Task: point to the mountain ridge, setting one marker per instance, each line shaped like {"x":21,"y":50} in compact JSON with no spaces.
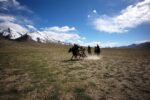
{"x":36,"y":36}
{"x":139,"y":45}
{"x":41,"y":37}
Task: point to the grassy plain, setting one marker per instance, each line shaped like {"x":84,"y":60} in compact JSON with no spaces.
{"x":33,"y":71}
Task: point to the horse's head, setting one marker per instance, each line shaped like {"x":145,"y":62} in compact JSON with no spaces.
{"x":70,"y":50}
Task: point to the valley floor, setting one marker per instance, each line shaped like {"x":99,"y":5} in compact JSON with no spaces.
{"x":32,"y":71}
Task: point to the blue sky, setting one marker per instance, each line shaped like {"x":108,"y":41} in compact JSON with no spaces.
{"x":104,"y":22}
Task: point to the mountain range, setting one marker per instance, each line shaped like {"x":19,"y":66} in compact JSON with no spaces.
{"x":139,"y":45}
{"x":41,"y":37}
{"x":36,"y":36}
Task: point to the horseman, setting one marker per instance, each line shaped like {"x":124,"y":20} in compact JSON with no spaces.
{"x":89,"y":50}
{"x":75,"y":48}
{"x":77,"y":51}
{"x":97,"y":50}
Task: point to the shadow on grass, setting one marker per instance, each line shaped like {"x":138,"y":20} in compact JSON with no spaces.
{"x":81,"y":95}
{"x":71,"y":60}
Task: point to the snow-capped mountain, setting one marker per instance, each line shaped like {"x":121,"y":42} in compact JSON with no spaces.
{"x":36,"y":36}
{"x":41,"y":37}
{"x":10,"y":33}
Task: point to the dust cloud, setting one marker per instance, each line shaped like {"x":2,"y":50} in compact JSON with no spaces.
{"x":92,"y":57}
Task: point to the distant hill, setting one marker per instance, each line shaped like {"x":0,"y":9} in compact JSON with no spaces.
{"x":140,"y":45}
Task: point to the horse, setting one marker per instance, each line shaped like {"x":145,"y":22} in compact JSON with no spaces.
{"x":76,"y":53}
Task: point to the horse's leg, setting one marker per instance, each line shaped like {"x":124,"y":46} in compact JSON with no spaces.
{"x":85,"y":55}
{"x":76,"y":56}
{"x":82,"y":56}
{"x":72,"y":57}
{"x":79,"y":56}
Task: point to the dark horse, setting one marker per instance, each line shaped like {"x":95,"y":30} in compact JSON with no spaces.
{"x":76,"y":53}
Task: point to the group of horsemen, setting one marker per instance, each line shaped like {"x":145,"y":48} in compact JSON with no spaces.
{"x":80,"y":51}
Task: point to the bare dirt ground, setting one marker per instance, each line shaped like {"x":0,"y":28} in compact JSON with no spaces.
{"x":30,"y":71}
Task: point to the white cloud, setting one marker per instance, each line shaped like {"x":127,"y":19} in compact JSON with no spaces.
{"x":7,"y":18}
{"x":101,"y":44}
{"x":17,"y":27}
{"x":7,"y":9}
{"x":64,"y":34}
{"x":31,"y":27}
{"x":94,"y":11}
{"x":60,"y":29}
{"x":138,"y":42}
{"x":8,"y":5}
{"x":7,"y":21}
{"x":69,"y":35}
{"x":2,"y":0}
{"x":130,"y":17}
{"x":89,"y":16}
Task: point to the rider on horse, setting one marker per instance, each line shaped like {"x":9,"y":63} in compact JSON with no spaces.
{"x":77,"y":51}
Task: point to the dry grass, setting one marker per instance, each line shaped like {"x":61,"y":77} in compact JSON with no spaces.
{"x":31,"y":71}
